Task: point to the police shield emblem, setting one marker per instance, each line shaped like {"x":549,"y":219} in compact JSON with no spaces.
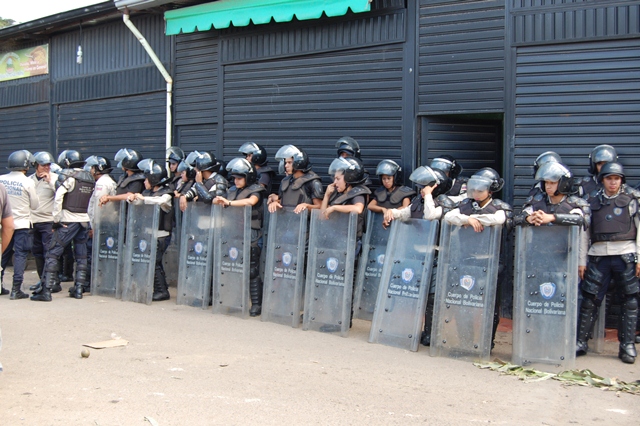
{"x":286,"y":258}
{"x":198,"y":247}
{"x":233,"y":253}
{"x":110,"y":242}
{"x":547,"y":290}
{"x":332,"y":264}
{"x":407,"y":275}
{"x":380,"y":259}
{"x":142,"y":245}
{"x":467,"y":282}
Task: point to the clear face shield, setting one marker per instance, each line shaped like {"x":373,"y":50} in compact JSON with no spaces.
{"x":339,"y":165}
{"x":146,"y":165}
{"x":552,"y":172}
{"x":91,"y":161}
{"x":424,"y":176}
{"x":249,"y":148}
{"x":442,"y":164}
{"x":121,"y":155}
{"x":477,"y":185}
{"x":43,"y":158}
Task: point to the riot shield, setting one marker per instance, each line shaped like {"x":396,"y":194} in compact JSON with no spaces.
{"x":140,"y":253}
{"x":122,"y":248}
{"x":404,"y":284}
{"x":232,"y":251}
{"x":546,"y":294}
{"x":330,"y":265}
{"x":284,"y":270}
{"x":597,"y":344}
{"x":196,"y":257}
{"x":374,"y":245}
{"x":466,"y":284}
{"x":107,"y":241}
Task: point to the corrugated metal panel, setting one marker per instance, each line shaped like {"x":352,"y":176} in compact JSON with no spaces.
{"x":24,"y":91}
{"x":573,"y":97}
{"x":197,"y":137}
{"x":316,"y":36}
{"x":196,"y":78}
{"x":103,"y":127}
{"x":474,"y":144}
{"x":536,"y":22}
{"x":108,"y":48}
{"x":461,"y":56}
{"x":312,"y":101}
{"x":25,"y":127}
{"x":121,"y":83}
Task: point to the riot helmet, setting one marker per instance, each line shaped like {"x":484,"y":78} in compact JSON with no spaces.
{"x":601,"y":153}
{"x":612,"y":168}
{"x":496,"y":182}
{"x":300,"y":158}
{"x":185,"y":167}
{"x":191,"y":158}
{"x":352,"y":169}
{"x":128,"y":159}
{"x":258,"y":153}
{"x":20,"y":160}
{"x":42,"y":158}
{"x":390,"y":168}
{"x":240,"y":167}
{"x":348,"y":145}
{"x":545,"y":157}
{"x":102,"y":165}
{"x":70,"y":158}
{"x":447,"y":164}
{"x":175,"y":154}
{"x":556,"y":172}
{"x":154,"y":172}
{"x":206,"y":161}
{"x":426,"y":176}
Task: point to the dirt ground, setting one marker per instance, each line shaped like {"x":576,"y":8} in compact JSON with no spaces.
{"x":186,"y":366}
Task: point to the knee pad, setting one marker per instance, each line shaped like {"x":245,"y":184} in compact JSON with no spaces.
{"x":589,"y":302}
{"x":631,"y":302}
{"x":592,"y":279}
{"x":627,"y":279}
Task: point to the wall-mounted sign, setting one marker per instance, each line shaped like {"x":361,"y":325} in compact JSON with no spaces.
{"x":24,"y":63}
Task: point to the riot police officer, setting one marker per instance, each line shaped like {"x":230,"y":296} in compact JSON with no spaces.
{"x":542,"y":159}
{"x":132,"y":182}
{"x":600,"y":155}
{"x":100,"y":168}
{"x":615,"y":243}
{"x":23,"y":199}
{"x":301,"y":188}
{"x":391,"y":195}
{"x":248,"y":192}
{"x":42,"y":218}
{"x":71,"y":223}
{"x":452,"y":169}
{"x":187,"y":175}
{"x":174,"y":156}
{"x":348,"y":147}
{"x":257,"y":155}
{"x":209,"y":183}
{"x":157,"y":191}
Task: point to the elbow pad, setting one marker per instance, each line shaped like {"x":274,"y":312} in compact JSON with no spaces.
{"x":569,"y":220}
{"x":203,"y":194}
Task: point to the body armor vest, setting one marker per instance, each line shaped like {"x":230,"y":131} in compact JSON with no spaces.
{"x":392,"y":200}
{"x":257,"y":210}
{"x":589,"y":187}
{"x":456,"y":188}
{"x":469,"y":207}
{"x":266,"y":170}
{"x":417,"y":205}
{"x":130,"y":183}
{"x":564,"y":207}
{"x":294,"y":190}
{"x":612,"y":218}
{"x":346,"y":198}
{"x":77,"y":200}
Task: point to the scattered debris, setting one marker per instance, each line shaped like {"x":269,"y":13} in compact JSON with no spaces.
{"x":85,"y":353}
{"x":113,"y":343}
{"x":152,"y":421}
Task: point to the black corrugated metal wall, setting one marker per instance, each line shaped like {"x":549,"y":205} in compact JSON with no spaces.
{"x":24,"y":127}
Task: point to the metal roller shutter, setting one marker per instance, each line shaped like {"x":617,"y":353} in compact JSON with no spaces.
{"x":25,"y":127}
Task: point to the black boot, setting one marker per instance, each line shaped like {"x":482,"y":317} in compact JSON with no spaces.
{"x":627,"y":330}
{"x":255,"y":288}
{"x":586,"y":319}
{"x":67,"y":267}
{"x":425,"y":338}
{"x":80,"y":283}
{"x":160,"y":289}
{"x":43,"y":293}
{"x":3,"y":291}
{"x":17,"y":293}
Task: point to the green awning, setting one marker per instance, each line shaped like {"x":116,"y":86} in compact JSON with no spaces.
{"x":223,"y":13}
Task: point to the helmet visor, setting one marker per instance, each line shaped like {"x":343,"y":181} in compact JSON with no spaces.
{"x":146,"y":165}
{"x":424,"y":176}
{"x":441,"y":164}
{"x":281,"y":168}
{"x":183,"y":167}
{"x":477,"y":185}
{"x":605,"y":154}
{"x":339,"y":165}
{"x":43,"y":158}
{"x":239,"y":166}
{"x":552,"y":172}
{"x":387,"y":167}
{"x":249,"y":148}
{"x":287,"y":151}
{"x":192,"y":157}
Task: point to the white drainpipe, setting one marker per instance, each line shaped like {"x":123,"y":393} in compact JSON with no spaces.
{"x":161,"y":68}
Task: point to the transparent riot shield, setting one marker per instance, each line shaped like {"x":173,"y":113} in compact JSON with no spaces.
{"x":330,"y":267}
{"x":546,"y":294}
{"x":404,"y":284}
{"x":140,"y":253}
{"x":284,"y":270}
{"x":465,"y":296}
{"x":597,"y":339}
{"x":196,"y":256}
{"x":232,"y":250}
{"x":122,"y":248}
{"x":374,"y":245}
{"x":106,"y":244}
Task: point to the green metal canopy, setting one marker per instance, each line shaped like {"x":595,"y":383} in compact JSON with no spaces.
{"x":223,"y":13}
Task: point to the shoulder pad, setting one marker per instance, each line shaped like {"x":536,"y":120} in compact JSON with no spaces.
{"x":501,"y":204}
{"x":218,"y":178}
{"x":466,"y":201}
{"x":538,"y":197}
{"x":265,"y":169}
{"x":586,"y":178}
{"x":631,"y":191}
{"x":255,"y":188}
{"x":462,"y":179}
{"x":578,"y":201}
{"x":446,"y":202}
{"x":406,"y":190}
{"x":361,"y":190}
{"x":528,"y":200}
